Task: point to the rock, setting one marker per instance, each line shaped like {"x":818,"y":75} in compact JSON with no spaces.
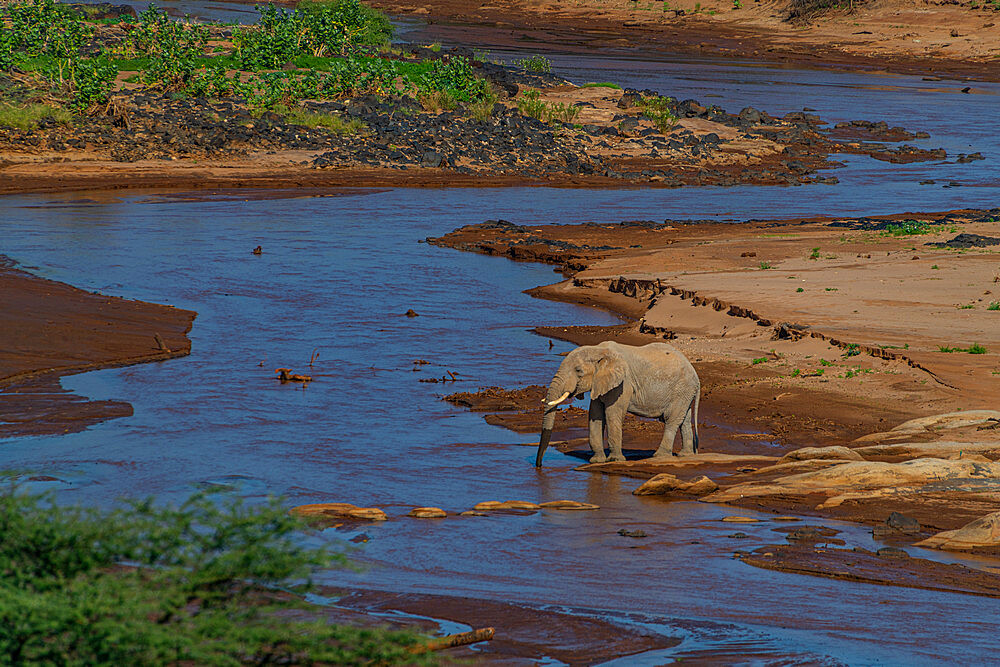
{"x":891,"y":552}
{"x":632,"y":533}
{"x":665,"y":483}
{"x":785,"y":518}
{"x":867,"y":479}
{"x":738,"y":536}
{"x":472,"y":513}
{"x":943,"y":449}
{"x":949,"y":420}
{"x":412,"y":313}
{"x":340,"y":511}
{"x":903,"y":523}
{"x":983,"y":532}
{"x":488,"y":505}
{"x":835,"y":452}
{"x":568,"y":505}
{"x":432,"y":159}
{"x":427,"y":513}
{"x":739,"y":519}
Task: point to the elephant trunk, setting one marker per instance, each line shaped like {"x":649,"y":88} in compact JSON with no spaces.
{"x":556,"y":390}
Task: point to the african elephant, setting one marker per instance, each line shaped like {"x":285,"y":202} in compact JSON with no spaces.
{"x":654,"y":380}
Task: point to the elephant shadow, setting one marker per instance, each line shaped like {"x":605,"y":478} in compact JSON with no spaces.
{"x":629,"y":454}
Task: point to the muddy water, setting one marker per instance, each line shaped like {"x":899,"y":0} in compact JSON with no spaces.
{"x":336,"y":276}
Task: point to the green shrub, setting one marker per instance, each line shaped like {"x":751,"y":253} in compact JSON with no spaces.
{"x":207,"y":582}
{"x":45,"y":27}
{"x":660,"y":111}
{"x":315,"y":28}
{"x":534,"y":63}
{"x":455,"y":75}
{"x":174,"y":48}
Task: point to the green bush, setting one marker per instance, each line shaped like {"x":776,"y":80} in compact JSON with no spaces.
{"x":534,"y":64}
{"x":316,"y":28}
{"x":173,"y":47}
{"x":456,"y":76}
{"x":201,"y":583}
{"x":45,"y":27}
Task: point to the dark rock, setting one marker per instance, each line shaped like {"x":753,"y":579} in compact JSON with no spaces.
{"x":431,"y":159}
{"x":412,"y":313}
{"x":965,"y":240}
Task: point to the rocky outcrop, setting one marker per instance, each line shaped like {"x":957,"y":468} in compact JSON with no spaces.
{"x":981,"y":534}
{"x":869,"y":479}
{"x":340,"y":511}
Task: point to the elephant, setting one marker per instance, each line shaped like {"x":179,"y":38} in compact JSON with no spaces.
{"x":653,"y":380}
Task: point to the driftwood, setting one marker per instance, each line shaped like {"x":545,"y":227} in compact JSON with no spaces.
{"x":451,"y":641}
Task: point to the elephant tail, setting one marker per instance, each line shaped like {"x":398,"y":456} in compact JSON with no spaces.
{"x":694,"y":421}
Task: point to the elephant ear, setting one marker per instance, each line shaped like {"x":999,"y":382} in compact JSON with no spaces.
{"x":610,"y":373}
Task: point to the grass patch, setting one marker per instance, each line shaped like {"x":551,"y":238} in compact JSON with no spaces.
{"x":994,"y":305}
{"x":758,"y":360}
{"x":659,"y":110}
{"x":530,"y":104}
{"x":31,"y":116}
{"x":975,"y":348}
{"x":766,"y":265}
{"x":602,"y":85}
{"x":330,"y":122}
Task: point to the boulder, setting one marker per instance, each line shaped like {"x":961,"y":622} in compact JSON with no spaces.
{"x":944,"y":449}
{"x":739,"y":519}
{"x":810,"y":453}
{"x":427,"y":513}
{"x":665,"y":483}
{"x":340,"y":511}
{"x":983,"y":532}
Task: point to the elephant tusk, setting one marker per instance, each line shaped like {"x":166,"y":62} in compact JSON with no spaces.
{"x":557,"y":401}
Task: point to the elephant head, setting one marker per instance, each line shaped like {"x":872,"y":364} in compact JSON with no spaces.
{"x":594,"y":368}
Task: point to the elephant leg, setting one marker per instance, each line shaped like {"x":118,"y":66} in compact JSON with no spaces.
{"x":596,"y":415}
{"x":687,"y":434}
{"x":614,"y":422}
{"x":666,"y":448}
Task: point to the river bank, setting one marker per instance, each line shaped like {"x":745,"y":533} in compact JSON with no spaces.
{"x":831,"y":379}
{"x":934,"y":39}
{"x":51,"y":329}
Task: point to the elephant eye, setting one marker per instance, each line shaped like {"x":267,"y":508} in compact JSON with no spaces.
{"x":579,"y":371}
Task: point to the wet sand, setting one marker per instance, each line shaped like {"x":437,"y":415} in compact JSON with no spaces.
{"x":932,"y":39}
{"x":50,"y":329}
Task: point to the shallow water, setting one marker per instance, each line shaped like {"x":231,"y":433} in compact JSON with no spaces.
{"x":336,"y":276}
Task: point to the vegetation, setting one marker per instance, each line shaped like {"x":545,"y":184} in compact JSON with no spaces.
{"x":335,"y":124}
{"x":534,"y":63}
{"x":202,"y":583}
{"x":660,"y":111}
{"x":605,"y":84}
{"x":994,"y":305}
{"x":530,"y":104}
{"x":30,"y":116}
{"x":323,"y":49}
{"x":975,"y":348}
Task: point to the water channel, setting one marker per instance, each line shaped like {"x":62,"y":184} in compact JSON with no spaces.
{"x":341,"y":267}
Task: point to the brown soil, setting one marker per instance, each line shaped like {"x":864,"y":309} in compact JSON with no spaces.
{"x":888,"y":568}
{"x":934,"y":37}
{"x":52,"y":329}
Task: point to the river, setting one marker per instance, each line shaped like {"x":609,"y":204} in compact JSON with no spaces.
{"x":338,"y":271}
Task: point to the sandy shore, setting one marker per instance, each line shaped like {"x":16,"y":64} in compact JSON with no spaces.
{"x":932,"y":38}
{"x":50,"y":329}
{"x":849,"y":366}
